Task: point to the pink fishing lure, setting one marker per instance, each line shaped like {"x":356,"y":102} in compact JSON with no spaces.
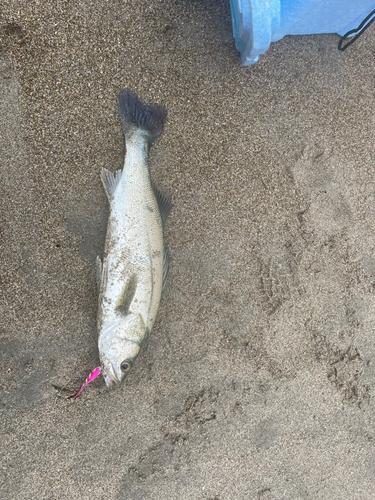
{"x":89,"y":379}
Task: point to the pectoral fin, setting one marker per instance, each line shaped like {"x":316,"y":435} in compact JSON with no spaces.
{"x":127,"y":295}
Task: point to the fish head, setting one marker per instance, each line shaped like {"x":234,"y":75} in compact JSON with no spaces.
{"x":119,"y":346}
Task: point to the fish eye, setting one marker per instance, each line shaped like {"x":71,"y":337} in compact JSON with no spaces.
{"x":126,"y":365}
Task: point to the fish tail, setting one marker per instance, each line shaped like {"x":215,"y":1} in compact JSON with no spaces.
{"x":135,"y":116}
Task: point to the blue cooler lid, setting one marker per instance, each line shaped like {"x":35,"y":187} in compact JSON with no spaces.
{"x":253,"y":22}
{"x":257,"y":23}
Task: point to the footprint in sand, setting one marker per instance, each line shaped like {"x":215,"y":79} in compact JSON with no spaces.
{"x":317,"y":175}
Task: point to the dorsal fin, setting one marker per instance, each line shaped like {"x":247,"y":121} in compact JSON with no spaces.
{"x":164,"y":203}
{"x":166,"y":261}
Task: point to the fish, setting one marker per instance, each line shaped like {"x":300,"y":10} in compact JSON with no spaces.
{"x":135,"y":264}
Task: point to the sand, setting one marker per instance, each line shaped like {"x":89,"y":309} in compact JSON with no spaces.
{"x":258,"y":381}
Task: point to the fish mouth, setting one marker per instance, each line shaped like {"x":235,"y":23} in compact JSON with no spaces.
{"x":109,"y":374}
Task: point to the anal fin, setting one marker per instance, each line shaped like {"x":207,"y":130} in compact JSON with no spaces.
{"x":110,"y":181}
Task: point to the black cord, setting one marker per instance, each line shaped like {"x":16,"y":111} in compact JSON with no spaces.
{"x":360,"y":27}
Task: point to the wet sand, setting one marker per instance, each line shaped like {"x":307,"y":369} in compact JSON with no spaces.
{"x":258,"y":381}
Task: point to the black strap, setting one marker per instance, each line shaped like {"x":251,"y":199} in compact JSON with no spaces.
{"x":361,"y":28}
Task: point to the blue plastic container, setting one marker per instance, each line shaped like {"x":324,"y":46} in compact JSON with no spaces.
{"x":257,"y":23}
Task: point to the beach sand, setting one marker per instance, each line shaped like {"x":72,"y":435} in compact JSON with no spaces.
{"x":258,"y":381}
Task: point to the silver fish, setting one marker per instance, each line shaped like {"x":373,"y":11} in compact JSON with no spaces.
{"x":136,"y":262}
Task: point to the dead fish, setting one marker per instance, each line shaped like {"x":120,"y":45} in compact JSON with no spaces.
{"x":136,"y":262}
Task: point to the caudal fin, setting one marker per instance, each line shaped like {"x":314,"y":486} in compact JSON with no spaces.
{"x":135,"y":115}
